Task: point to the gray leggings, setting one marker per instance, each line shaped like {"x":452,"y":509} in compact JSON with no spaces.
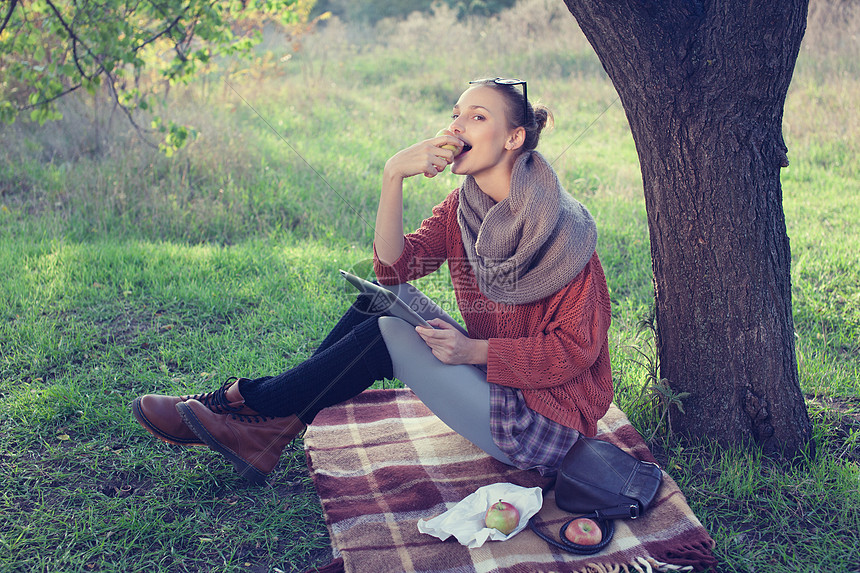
{"x":459,"y":395}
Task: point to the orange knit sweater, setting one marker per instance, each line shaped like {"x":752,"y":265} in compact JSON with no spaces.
{"x":554,"y":350}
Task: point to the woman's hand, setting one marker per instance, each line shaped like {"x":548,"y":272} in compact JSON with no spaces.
{"x":427,"y":157}
{"x":450,"y":346}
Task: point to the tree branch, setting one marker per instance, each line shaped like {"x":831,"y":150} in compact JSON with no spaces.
{"x":75,"y":40}
{"x":8,"y":17}
{"x":52,"y":98}
{"x":165,"y":30}
{"x":115,"y":96}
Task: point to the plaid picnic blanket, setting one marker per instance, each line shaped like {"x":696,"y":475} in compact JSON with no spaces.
{"x":382,"y":461}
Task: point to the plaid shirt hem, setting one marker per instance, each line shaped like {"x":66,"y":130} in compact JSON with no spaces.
{"x":530,"y":440}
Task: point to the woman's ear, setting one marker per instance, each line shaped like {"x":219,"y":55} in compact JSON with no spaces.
{"x":517,"y":139}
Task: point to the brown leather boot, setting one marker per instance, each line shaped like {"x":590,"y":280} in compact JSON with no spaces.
{"x":158,"y":415}
{"x":251,"y":442}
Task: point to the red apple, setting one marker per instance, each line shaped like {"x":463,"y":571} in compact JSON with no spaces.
{"x":583,"y":531}
{"x":502,"y":516}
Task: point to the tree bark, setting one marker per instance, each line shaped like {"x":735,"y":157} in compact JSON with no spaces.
{"x":703,"y":85}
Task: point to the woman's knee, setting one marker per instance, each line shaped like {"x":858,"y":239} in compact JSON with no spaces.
{"x":400,"y":338}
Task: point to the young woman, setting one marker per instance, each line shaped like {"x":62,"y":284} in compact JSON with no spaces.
{"x":530,"y":371}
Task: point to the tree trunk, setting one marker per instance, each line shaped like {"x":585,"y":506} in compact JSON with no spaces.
{"x":703,"y":85}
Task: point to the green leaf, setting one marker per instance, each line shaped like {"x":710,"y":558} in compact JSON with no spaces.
{"x":45,"y":113}
{"x":7,"y":112}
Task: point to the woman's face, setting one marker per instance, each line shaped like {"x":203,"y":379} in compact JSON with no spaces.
{"x":480,"y":120}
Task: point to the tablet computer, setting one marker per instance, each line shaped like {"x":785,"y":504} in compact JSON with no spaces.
{"x":395,"y":305}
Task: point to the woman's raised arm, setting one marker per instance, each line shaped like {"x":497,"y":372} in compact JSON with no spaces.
{"x":427,"y":157}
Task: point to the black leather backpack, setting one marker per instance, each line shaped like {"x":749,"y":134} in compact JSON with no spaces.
{"x":601,"y":481}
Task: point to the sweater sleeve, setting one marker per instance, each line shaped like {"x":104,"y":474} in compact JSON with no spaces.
{"x":573,"y":335}
{"x":424,"y":250}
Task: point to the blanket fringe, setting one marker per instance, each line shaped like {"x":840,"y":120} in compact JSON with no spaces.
{"x":639,"y":563}
{"x":649,"y":564}
{"x":602,"y":568}
{"x":642,"y":565}
{"x":652,"y":564}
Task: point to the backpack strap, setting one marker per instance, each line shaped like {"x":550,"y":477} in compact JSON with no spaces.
{"x":607,"y":527}
{"x":623,"y":511}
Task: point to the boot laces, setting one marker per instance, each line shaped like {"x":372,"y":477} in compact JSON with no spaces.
{"x":217,"y":400}
{"x":218,"y":403}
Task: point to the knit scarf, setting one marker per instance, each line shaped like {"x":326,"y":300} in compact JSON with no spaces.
{"x":531,"y":244}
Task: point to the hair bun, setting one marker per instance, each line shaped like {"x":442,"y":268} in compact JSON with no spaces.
{"x":543,"y":117}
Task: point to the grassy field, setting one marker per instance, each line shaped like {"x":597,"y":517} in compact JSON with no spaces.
{"x":125,"y":272}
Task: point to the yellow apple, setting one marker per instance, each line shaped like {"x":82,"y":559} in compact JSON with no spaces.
{"x":450,"y":146}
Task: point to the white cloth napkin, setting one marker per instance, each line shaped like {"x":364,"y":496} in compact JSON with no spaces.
{"x":465,"y":520}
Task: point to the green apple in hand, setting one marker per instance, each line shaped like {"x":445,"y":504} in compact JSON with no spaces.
{"x":502,"y":516}
{"x":450,"y":146}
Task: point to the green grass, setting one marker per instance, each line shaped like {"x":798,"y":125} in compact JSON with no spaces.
{"x":88,"y":327}
{"x":125,"y":272}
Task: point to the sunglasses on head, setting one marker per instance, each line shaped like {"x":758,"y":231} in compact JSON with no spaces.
{"x":510,"y":82}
